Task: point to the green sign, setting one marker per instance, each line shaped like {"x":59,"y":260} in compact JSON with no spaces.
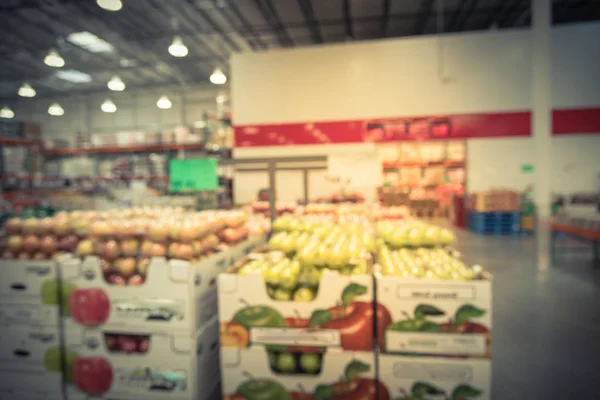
{"x":527,"y":168}
{"x":193,"y":175}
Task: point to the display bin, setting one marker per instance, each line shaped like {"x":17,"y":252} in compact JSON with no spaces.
{"x":434,"y":377}
{"x":177,"y":296}
{"x":436,"y":317}
{"x":29,"y":293}
{"x":175,"y":366}
{"x":341,"y":314}
{"x":246,"y":374}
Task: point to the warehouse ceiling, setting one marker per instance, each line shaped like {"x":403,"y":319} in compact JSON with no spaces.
{"x":135,"y":39}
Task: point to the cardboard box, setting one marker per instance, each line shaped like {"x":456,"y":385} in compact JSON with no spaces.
{"x":240,"y":368}
{"x":30,"y":349}
{"x":435,"y":378}
{"x":341,"y":315}
{"x":30,"y":382}
{"x":436,"y":317}
{"x":177,"y":297}
{"x":31,"y":395}
{"x":29,"y":293}
{"x":177,"y":367}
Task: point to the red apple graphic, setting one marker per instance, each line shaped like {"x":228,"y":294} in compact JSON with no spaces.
{"x":92,"y":376}
{"x":89,"y":307}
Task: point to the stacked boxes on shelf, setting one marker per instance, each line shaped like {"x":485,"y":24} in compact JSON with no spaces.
{"x":157,"y":340}
{"x":438,"y":340}
{"x":30,"y":340}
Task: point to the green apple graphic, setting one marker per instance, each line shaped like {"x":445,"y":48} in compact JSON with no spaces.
{"x":263,"y":389}
{"x":259,"y":317}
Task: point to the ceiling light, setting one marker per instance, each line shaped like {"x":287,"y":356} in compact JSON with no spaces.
{"x":221,"y":99}
{"x":177,"y":48}
{"x":90,"y":42}
{"x":26,"y":90}
{"x":108,"y":106}
{"x":218,"y":77}
{"x":6,"y":112}
{"x":116,"y":84}
{"x":74,"y":76}
{"x":53,"y":59}
{"x":164,"y":103}
{"x":110,"y":5}
{"x":56,"y":110}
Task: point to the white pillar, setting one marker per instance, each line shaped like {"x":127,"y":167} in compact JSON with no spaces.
{"x":541,"y":119}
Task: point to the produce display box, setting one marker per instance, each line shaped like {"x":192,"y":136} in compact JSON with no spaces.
{"x":33,"y":383}
{"x":436,"y":317}
{"x":29,"y":293}
{"x":341,"y":314}
{"x":30,"y":349}
{"x":434,"y":378}
{"x":246,"y":374}
{"x":175,"y":366}
{"x":31,"y":395}
{"x":177,"y":296}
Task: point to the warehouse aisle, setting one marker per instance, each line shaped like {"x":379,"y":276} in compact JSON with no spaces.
{"x":546,"y":323}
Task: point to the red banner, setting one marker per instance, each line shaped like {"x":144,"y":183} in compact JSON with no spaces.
{"x":458,"y":126}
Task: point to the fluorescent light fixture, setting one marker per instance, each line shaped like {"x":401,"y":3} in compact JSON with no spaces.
{"x":74,"y":76}
{"x":110,"y":5}
{"x":116,"y":84}
{"x":26,"y":90}
{"x":108,"y":106}
{"x":90,"y":42}
{"x":53,"y":59}
{"x":164,"y":103}
{"x":177,"y":48}
{"x":218,"y":77}
{"x":56,"y":110}
{"x":6,"y":112}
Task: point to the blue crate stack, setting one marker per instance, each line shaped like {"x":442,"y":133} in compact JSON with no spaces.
{"x":495,"y":223}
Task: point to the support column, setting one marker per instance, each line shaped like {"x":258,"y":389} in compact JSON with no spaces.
{"x":541,"y":48}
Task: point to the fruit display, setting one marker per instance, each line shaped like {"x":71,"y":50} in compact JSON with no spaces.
{"x":413,"y":233}
{"x":127,"y":239}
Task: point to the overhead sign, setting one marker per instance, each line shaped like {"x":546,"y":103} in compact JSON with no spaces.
{"x":193,"y":175}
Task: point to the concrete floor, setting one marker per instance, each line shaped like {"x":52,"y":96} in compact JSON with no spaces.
{"x":546,"y":332}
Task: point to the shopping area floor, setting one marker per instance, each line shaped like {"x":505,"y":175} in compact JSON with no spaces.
{"x":546,"y":332}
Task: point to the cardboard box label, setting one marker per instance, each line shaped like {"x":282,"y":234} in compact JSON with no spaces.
{"x":436,"y":343}
{"x":28,"y":315}
{"x":426,"y":292}
{"x":298,"y":337}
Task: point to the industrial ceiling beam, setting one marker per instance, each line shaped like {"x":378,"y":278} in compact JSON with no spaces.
{"x":462,"y":21}
{"x":215,"y":27}
{"x":311,"y":21}
{"x":385,"y":17}
{"x":425,"y":11}
{"x":348,"y":19}
{"x":270,"y":15}
{"x":245,"y":23}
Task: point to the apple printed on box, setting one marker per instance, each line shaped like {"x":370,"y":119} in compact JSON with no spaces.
{"x":177,"y":367}
{"x":30,"y":349}
{"x":408,"y":378}
{"x":341,"y":314}
{"x":29,"y":293}
{"x":246,"y":374}
{"x":176,"y":297}
{"x":437,"y":317}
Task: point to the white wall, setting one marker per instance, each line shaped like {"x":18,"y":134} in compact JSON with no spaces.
{"x":136,"y":110}
{"x":476,"y":72}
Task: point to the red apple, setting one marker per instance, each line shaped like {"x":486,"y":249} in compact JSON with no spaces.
{"x":187,"y":233}
{"x":8,"y":255}
{"x":39,"y":256}
{"x":15,"y":243}
{"x":125,"y":266}
{"x":136,"y":280}
{"x":85,"y":248}
{"x":49,"y":245}
{"x":143,"y":344}
{"x":62,"y":227}
{"x":46,"y":226}
{"x":31,"y":244}
{"x":30,"y":226}
{"x":127,"y":343}
{"x":101,"y":229}
{"x":115,"y":279}
{"x":24,"y":256}
{"x":68,"y":243}
{"x":158,"y":232}
{"x":130,"y":247}
{"x":184,"y":252}
{"x":13,"y":226}
{"x":112,"y":342}
{"x":106,"y":266}
{"x":111,"y":250}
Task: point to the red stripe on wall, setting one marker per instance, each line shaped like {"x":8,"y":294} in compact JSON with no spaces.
{"x":569,"y":122}
{"x":458,"y":126}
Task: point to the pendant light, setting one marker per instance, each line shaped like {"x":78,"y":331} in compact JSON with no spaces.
{"x":56,"y":110}
{"x":53,"y":59}
{"x":116,"y":84}
{"x":110,"y":5}
{"x":108,"y":106}
{"x":6,"y":112}
{"x":164,"y":103}
{"x":26,"y":90}
{"x":177,"y":48}
{"x":218,"y":77}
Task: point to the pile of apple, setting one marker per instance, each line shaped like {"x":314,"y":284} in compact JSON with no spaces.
{"x":413,"y":233}
{"x":285,"y":362}
{"x":125,"y":240}
{"x":127,"y":343}
{"x":425,"y":263}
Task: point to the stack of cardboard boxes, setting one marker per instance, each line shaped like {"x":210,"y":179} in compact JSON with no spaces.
{"x":30,"y":340}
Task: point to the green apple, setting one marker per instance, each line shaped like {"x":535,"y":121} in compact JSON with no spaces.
{"x":282,"y":295}
{"x":288,"y":278}
{"x":304,"y":294}
{"x":310,"y":362}
{"x":286,"y":363}
{"x":415,"y":237}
